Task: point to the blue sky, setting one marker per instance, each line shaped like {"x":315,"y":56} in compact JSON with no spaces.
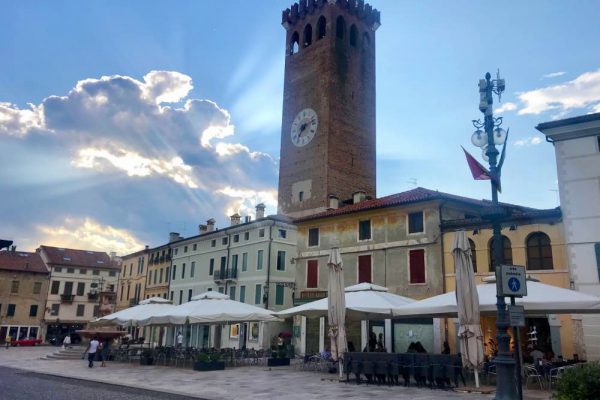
{"x":117,"y":162}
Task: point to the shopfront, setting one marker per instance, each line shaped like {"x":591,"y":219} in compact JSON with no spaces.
{"x":18,"y":332}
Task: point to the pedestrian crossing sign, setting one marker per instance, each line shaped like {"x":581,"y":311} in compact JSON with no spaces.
{"x":514,"y":282}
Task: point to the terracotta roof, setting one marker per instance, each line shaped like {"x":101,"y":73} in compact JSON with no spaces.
{"x":78,"y":258}
{"x":22,"y":261}
{"x":416,"y":195}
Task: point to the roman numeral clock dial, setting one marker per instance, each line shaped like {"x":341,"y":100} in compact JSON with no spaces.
{"x":304,"y":127}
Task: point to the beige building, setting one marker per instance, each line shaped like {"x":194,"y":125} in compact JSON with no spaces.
{"x":79,"y":280}
{"x":132,"y":282}
{"x":23,"y":290}
{"x":159,"y":266}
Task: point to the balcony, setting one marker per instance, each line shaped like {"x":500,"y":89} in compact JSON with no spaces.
{"x":66,"y":298}
{"x":92,"y":296}
{"x":225,"y":275}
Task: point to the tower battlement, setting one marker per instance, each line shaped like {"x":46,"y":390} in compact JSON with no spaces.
{"x":369,"y":15}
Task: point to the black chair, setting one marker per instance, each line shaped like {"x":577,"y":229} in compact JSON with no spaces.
{"x":421,"y":369}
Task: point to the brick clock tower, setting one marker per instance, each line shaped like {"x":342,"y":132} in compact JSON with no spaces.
{"x":328,"y":124}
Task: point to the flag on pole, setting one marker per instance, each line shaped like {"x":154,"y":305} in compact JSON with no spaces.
{"x":478,"y":171}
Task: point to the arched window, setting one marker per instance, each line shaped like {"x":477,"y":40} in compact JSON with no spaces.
{"x":539,"y":251}
{"x":506,"y":252}
{"x":321,"y":28}
{"x":340,"y":27}
{"x":307,"y":35}
{"x":353,"y":35}
{"x":366,"y":41}
{"x":473,"y":255}
{"x":294,"y":43}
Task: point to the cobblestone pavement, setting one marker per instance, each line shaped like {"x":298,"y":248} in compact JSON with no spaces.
{"x":250,"y":383}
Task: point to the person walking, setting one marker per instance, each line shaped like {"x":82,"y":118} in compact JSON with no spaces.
{"x":179,"y":339}
{"x":91,"y":350}
{"x":67,"y":342}
{"x":105,"y":353}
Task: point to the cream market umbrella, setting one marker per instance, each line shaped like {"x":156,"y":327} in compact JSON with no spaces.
{"x":133,"y":315}
{"x":336,"y":305}
{"x":211,"y":308}
{"x":467,"y":301}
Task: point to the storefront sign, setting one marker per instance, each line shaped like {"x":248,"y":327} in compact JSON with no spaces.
{"x":513,"y":281}
{"x":516,"y":315}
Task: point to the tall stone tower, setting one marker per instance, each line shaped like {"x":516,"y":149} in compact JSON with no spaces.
{"x":328,"y":124}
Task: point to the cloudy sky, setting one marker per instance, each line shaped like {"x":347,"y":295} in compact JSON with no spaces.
{"x":123,"y":120}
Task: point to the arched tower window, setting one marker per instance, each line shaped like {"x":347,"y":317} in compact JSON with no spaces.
{"x":340,"y":27}
{"x":321,"y":27}
{"x":539,"y":251}
{"x":294,"y":43}
{"x":473,"y":255}
{"x":307,"y":35}
{"x":366,"y":41}
{"x":353,"y":35}
{"x":506,"y":252}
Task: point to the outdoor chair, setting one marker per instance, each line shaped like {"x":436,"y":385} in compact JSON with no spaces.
{"x":531,"y":373}
{"x":421,"y":369}
{"x":555,"y":375}
{"x":406,"y":364}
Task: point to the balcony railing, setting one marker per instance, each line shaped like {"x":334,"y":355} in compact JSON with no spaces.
{"x":229,"y":274}
{"x":67,"y":298}
{"x":92,"y":296}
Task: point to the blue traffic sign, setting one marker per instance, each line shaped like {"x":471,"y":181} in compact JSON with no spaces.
{"x":513,"y":284}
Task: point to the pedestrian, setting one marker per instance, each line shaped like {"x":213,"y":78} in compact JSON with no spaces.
{"x":179,"y":339}
{"x":446,"y":349}
{"x":91,"y":350}
{"x":8,"y":340}
{"x":105,"y":351}
{"x":67,"y":341}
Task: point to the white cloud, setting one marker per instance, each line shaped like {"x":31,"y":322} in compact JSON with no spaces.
{"x":18,"y":122}
{"x":215,"y":132}
{"x":529,"y":141}
{"x":582,"y":92}
{"x":508,"y":106}
{"x":553,"y":75}
{"x":167,"y":86}
{"x":245,"y":200}
{"x":88,"y":234}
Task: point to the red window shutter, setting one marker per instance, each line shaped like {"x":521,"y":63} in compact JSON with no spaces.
{"x":417,"y":266}
{"x":364,"y":269}
{"x":312,"y":274}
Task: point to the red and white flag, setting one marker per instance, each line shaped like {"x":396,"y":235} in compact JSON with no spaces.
{"x":478,"y":171}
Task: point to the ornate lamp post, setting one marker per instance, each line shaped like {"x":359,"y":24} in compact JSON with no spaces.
{"x":487,"y":139}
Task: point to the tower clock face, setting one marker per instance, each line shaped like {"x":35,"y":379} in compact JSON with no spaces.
{"x":304,"y":127}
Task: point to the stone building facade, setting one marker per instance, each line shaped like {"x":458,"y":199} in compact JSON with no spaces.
{"x":132,"y":280}
{"x":159,"y":270}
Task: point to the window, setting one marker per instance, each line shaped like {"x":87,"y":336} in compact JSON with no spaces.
{"x":353,"y":35}
{"x":364,"y":269}
{"x":37,"y":287}
{"x":234,"y":262}
{"x":112,"y":273}
{"x":171,"y":295}
{"x":539,"y":252}
{"x":193,"y":270}
{"x":167,"y":274}
{"x":473,"y":255}
{"x":211,"y":266}
{"x":236,"y":238}
{"x":96,"y":311}
{"x":195,"y":247}
{"x":282,"y":233}
{"x":176,"y":250}
{"x":57,"y":269}
{"x":244,"y":261}
{"x":160,"y":273}
{"x":128,"y":291}
{"x":97,"y":272}
{"x":281,"y":260}
{"x":223,"y":263}
{"x":122,"y":291}
{"x":70,"y":270}
{"x":261,"y":232}
{"x":80,"y":310}
{"x":185,"y":249}
{"x":321,"y":27}
{"x":313,"y":237}
{"x":10,"y":311}
{"x":340,"y":27}
{"x":190,"y":295}
{"x":242,"y":294}
{"x":232,"y":292}
{"x":68,"y":288}
{"x":257,"y":294}
{"x":279,"y":290}
{"x":130,"y":269}
{"x":80,"y":288}
{"x":55,"y":309}
{"x":14,"y":287}
{"x":415,"y":222}
{"x":180,"y":296}
{"x":364,"y":230}
{"x":33,"y":310}
{"x":259,"y":260}
{"x":221,"y":289}
{"x":83,"y":271}
{"x":174,"y":272}
{"x":294,"y":44}
{"x":213,"y":243}
{"x":54,"y":287}
{"x":312,"y":274}
{"x":307,"y":35}
{"x":155,"y":276}
{"x":224,"y":241}
{"x":507,"y":253}
{"x":183,"y":271}
{"x":416,"y":261}
{"x":301,"y":196}
{"x":246,"y":235}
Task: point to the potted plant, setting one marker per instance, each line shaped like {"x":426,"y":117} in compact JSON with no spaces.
{"x":209,"y":362}
{"x":147,"y":357}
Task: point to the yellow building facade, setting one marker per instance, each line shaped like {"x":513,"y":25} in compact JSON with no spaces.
{"x":132,"y":281}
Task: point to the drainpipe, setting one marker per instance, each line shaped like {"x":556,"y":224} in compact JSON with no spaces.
{"x":443,"y":266}
{"x":269,"y":264}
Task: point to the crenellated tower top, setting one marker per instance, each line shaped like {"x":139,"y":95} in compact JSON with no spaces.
{"x":364,"y":12}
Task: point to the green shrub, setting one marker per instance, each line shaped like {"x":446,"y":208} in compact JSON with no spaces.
{"x":580,"y":383}
{"x":208,"y":357}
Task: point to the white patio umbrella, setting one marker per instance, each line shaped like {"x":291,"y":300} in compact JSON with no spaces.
{"x":541,"y":299}
{"x":363,"y":302}
{"x":471,"y":337}
{"x":133,"y":315}
{"x":211,"y":308}
{"x":336,"y":305}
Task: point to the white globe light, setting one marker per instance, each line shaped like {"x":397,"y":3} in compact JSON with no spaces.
{"x":483,"y":153}
{"x":499,"y":136}
{"x":479,"y":138}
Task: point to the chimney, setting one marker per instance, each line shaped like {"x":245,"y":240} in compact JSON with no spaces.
{"x":113,"y":255}
{"x":359,"y":196}
{"x":210,"y":225}
{"x":334,"y":202}
{"x":147,"y":247}
{"x":173,"y":237}
{"x":260,"y":211}
{"x":235,"y":219}
{"x":247,"y":219}
{"x":202,"y":229}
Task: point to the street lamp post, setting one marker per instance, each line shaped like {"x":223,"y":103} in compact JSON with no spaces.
{"x":487,"y":139}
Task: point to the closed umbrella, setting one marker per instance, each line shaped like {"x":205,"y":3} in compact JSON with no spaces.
{"x":336,"y":307}
{"x":467,"y":301}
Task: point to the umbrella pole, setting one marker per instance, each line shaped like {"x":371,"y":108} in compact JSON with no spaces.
{"x":476,"y":372}
{"x":340,"y":367}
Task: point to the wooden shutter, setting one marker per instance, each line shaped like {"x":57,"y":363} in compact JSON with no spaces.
{"x":417,"y":266}
{"x":312,"y":274}
{"x":364,"y":269}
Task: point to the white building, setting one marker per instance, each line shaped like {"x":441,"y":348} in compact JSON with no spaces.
{"x":577,"y":146}
{"x":252,"y":262}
